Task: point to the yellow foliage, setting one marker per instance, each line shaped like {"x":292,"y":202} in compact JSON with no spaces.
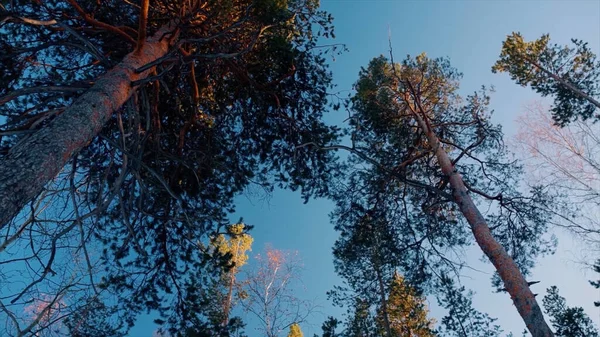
{"x":407,"y":312}
{"x":295,"y":331}
{"x":236,"y":243}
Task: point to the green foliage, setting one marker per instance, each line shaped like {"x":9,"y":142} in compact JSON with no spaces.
{"x":407,"y":312}
{"x":96,"y":319}
{"x":360,"y":321}
{"x":160,"y":178}
{"x":395,"y":209}
{"x":395,"y":197}
{"x":567,"y":321}
{"x":546,"y":68}
{"x":329,"y":327}
{"x":462,"y":319}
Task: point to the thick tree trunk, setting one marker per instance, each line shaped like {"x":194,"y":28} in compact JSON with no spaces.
{"x":513,"y":279}
{"x":30,"y":165}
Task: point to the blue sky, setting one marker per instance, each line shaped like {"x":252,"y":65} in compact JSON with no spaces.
{"x":470,"y":33}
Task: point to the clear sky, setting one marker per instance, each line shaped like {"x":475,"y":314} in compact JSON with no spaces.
{"x":470,"y":33}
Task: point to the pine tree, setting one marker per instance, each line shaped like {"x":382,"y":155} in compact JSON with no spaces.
{"x":567,"y":321}
{"x":127,"y":129}
{"x":463,"y":320}
{"x":423,"y":158}
{"x":407,"y":311}
{"x":329,"y":327}
{"x":570,"y":74}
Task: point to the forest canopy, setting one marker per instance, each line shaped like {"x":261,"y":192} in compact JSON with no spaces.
{"x":130,"y":130}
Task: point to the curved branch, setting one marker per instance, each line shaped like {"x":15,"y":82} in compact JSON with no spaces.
{"x":99,"y":24}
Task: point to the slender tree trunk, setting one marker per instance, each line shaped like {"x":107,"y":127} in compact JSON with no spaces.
{"x":34,"y":162}
{"x":229,"y":298}
{"x":386,"y":319}
{"x":565,"y":83}
{"x":513,"y":279}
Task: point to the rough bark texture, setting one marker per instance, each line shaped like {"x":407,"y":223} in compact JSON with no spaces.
{"x":34,"y":162}
{"x":514,"y":281}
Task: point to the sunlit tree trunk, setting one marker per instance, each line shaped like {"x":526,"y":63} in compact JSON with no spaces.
{"x":30,"y":165}
{"x":513,"y":279}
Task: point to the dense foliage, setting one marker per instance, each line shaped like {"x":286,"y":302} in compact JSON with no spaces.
{"x":226,"y":108}
{"x":567,"y":321}
{"x":570,"y":74}
{"x":396,"y":203}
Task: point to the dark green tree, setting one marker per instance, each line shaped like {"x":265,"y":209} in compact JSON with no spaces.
{"x":127,"y":128}
{"x":567,"y":321}
{"x":463,"y":320}
{"x":596,"y":284}
{"x":360,"y":321}
{"x":569,"y":74}
{"x":330,"y":326}
{"x":365,"y":257}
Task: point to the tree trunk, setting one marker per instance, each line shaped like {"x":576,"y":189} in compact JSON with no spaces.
{"x":384,"y":308}
{"x":34,"y":162}
{"x":514,"y":282}
{"x":565,"y":83}
{"x":227,"y":306}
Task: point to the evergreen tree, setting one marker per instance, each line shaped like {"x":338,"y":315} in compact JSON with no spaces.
{"x":423,"y":159}
{"x":365,"y":258}
{"x":130,"y":143}
{"x":407,"y":311}
{"x":329,"y":327}
{"x":567,"y":321}
{"x":360,"y":322}
{"x":570,"y":74}
{"x":463,"y":320}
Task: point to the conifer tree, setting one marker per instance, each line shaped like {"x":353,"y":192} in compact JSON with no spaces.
{"x":567,"y":321}
{"x":127,"y":128}
{"x":431,"y":168}
{"x":406,"y":310}
{"x":569,"y":74}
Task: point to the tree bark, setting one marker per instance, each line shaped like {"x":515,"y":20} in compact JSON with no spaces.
{"x":565,"y":83}
{"x":384,"y":308}
{"x":34,"y":162}
{"x":513,"y":279}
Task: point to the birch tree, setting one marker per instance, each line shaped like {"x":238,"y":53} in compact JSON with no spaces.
{"x":269,"y":294}
{"x":567,"y":161}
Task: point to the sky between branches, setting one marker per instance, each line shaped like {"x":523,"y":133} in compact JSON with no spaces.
{"x":470,"y":32}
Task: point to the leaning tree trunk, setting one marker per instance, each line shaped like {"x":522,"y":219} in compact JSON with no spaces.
{"x":513,"y":279}
{"x":31,"y":164}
